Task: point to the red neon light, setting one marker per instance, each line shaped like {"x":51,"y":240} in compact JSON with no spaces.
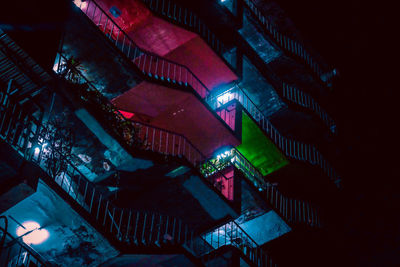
{"x":127,"y":114}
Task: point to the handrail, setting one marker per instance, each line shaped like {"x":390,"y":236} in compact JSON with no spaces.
{"x":232,"y":234}
{"x":179,"y":14}
{"x":127,"y":226}
{"x":183,"y":15}
{"x":292,"y":210}
{"x":137,"y":134}
{"x":27,"y":135}
{"x":148,"y":62}
{"x":286,"y":42}
{"x":291,"y":148}
{"x":17,"y":253}
{"x":303,"y":99}
{"x":291,"y":93}
{"x":139,"y":227}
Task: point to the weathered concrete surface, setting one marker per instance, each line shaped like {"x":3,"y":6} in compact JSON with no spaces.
{"x":210,"y":201}
{"x":179,"y":112}
{"x":115,"y":153}
{"x":265,"y":227}
{"x":72,"y":241}
{"x":153,"y":190}
{"x":102,"y":63}
{"x":89,"y":154}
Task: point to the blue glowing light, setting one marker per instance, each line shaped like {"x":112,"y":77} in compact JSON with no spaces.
{"x":224,"y":154}
{"x":225,"y":98}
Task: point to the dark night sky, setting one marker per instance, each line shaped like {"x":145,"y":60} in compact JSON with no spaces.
{"x":357,"y":37}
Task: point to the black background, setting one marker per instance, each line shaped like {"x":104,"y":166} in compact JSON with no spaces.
{"x":358,"y":37}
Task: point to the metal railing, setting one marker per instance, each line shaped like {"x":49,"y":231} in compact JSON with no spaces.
{"x":136,"y":134}
{"x":17,"y":127}
{"x":291,"y":148}
{"x":182,"y":15}
{"x":285,"y":42}
{"x":164,"y":69}
{"x":231,"y":234}
{"x":126,"y":225}
{"x":303,"y":99}
{"x":291,"y":210}
{"x":149,"y":63}
{"x":24,"y":131}
{"x":179,"y":14}
{"x":17,"y":253}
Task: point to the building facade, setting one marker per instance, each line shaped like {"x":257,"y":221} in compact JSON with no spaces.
{"x":164,"y":133}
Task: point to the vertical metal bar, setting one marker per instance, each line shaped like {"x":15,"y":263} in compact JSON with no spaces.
{"x":144,"y":228}
{"x":179,"y":231}
{"x":136,"y":226}
{"x":112,"y":220}
{"x":120,"y":222}
{"x":173,"y":145}
{"x":84,"y":196}
{"x":218,"y":237}
{"x":91,"y":201}
{"x":166,"y":143}
{"x":19,"y":254}
{"x":159,"y":230}
{"x":225,"y":235}
{"x":191,"y":239}
{"x":156,"y":68}
{"x":151,"y":228}
{"x":186,"y":229}
{"x":105,"y":213}
{"x":173,"y":229}
{"x":98,"y":207}
{"x":128,"y":225}
{"x":152,"y":143}
{"x":79,"y":183}
{"x":150,"y":60}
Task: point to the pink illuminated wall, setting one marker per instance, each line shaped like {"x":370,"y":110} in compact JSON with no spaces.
{"x":228,"y":114}
{"x":165,"y":107}
{"x":225,"y":184}
{"x":179,"y":112}
{"x":168,"y":40}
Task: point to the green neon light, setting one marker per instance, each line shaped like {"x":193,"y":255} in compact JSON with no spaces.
{"x":259,"y":149}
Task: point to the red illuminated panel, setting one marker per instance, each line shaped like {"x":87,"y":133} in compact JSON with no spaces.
{"x":126,"y":114}
{"x":133,"y":13}
{"x":225,"y":184}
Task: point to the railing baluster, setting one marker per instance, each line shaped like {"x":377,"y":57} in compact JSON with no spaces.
{"x":128,"y":225}
{"x":159,"y":231}
{"x":105,"y":213}
{"x":151,"y":228}
{"x":136,"y":227}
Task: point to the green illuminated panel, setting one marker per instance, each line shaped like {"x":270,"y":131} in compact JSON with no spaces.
{"x":258,"y":149}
